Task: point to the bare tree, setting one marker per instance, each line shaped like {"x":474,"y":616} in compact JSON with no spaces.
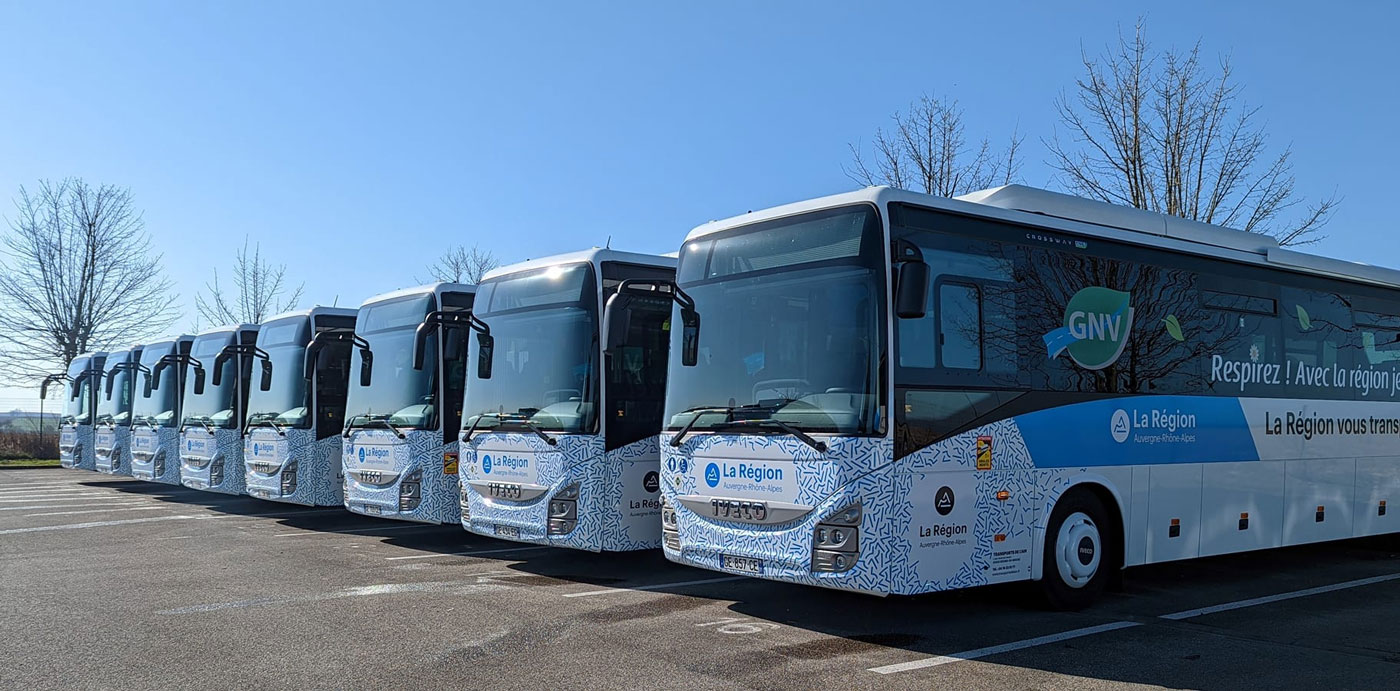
{"x":76,"y":274}
{"x":463,"y":265}
{"x":927,"y":151}
{"x":260,"y":290}
{"x":1158,"y":130}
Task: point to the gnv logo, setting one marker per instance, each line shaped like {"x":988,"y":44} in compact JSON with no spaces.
{"x":1120,"y":426}
{"x":712,"y":475}
{"x":1097,"y":323}
{"x":486,"y":464}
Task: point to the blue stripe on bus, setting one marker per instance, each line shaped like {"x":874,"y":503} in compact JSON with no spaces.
{"x":1139,"y":430}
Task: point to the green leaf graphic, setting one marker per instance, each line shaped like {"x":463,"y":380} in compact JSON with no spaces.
{"x":1304,"y":322}
{"x":1174,"y":327}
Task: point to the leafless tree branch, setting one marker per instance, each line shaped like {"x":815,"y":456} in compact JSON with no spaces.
{"x":260,"y":290}
{"x":76,"y":274}
{"x":1155,"y":130}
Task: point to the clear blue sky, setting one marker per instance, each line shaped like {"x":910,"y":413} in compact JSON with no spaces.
{"x":357,"y":140}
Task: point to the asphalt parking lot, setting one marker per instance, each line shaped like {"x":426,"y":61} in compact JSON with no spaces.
{"x":115,"y":583}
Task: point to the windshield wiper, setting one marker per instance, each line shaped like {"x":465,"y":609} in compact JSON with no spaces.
{"x":468,"y":436}
{"x":146,"y":420}
{"x":371,"y":420}
{"x":680,"y":436}
{"x":803,"y":437}
{"x":203,"y":422}
{"x":512,"y":419}
{"x":269,"y":421}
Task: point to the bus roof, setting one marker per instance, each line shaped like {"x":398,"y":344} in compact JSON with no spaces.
{"x":1062,"y":212}
{"x":430,"y":288}
{"x":594,"y":255}
{"x":228,"y":327}
{"x":312,"y":312}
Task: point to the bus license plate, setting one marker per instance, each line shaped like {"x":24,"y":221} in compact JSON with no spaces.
{"x":741,"y":564}
{"x":508,"y":531}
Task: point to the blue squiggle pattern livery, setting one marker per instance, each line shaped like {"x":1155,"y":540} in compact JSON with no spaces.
{"x":609,"y":484}
{"x":423,"y":449}
{"x":196,"y":470}
{"x":318,"y":471}
{"x":113,"y":458}
{"x":155,"y":454}
{"x":82,"y":454}
{"x":903,"y":550}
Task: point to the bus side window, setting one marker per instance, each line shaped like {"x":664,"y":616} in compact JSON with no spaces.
{"x":1240,"y":329}
{"x":1317,"y":330}
{"x":960,"y":326}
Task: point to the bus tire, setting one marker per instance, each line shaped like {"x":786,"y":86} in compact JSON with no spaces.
{"x":1079,"y":552}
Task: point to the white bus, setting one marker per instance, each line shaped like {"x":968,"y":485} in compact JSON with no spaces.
{"x":297,"y":407}
{"x":402,"y":417}
{"x":559,"y":436}
{"x":890,"y":392}
{"x":212,"y":417}
{"x":112,"y":430}
{"x":75,"y":432}
{"x":155,"y":414}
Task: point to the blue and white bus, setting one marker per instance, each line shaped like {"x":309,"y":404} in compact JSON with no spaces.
{"x":402,"y":417}
{"x":112,"y":430}
{"x":219,"y":368}
{"x":890,"y":392}
{"x":559,"y":436}
{"x":155,"y":414}
{"x":297,"y":407}
{"x":75,"y":432}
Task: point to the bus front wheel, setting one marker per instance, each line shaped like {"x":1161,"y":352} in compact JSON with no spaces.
{"x":1079,"y":550}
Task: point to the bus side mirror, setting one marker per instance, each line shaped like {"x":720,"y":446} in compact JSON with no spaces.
{"x":44,"y":389}
{"x":690,"y":336}
{"x":199,"y":379}
{"x":219,"y":361}
{"x":420,"y":343}
{"x":366,"y":365}
{"x":617,"y":320}
{"x":911,"y":296}
{"x":146,"y":387}
{"x":485,"y":344}
{"x":266,"y":382}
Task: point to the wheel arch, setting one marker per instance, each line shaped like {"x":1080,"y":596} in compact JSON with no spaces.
{"x":1106,"y":492}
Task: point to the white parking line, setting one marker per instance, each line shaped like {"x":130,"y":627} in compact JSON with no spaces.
{"x":46,"y":497}
{"x":356,"y":531}
{"x":658,"y":586}
{"x":1089,"y":631}
{"x":1187,"y":614}
{"x":103,"y":524}
{"x":40,"y":488}
{"x":1003,"y":648}
{"x":65,"y":504}
{"x":468,"y":554}
{"x":74,"y":513}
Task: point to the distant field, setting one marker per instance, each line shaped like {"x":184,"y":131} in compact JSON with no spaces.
{"x":30,"y":463}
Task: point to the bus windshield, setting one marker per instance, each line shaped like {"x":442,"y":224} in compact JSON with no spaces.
{"x":791,"y":314}
{"x":213,"y":406}
{"x":397,"y":393}
{"x":75,"y":408}
{"x":286,"y":402}
{"x":157,"y":409}
{"x":545,"y":366}
{"x":116,"y":410}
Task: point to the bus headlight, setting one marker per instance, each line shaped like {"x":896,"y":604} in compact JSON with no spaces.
{"x":563,"y":510}
{"x":465,"y":500}
{"x":670,"y":531}
{"x":411,"y":491}
{"x":216,"y":472}
{"x":289,"y":479}
{"x":158,"y":463}
{"x":836,"y":541}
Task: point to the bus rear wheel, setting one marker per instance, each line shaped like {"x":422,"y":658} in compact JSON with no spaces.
{"x":1079,"y":552}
